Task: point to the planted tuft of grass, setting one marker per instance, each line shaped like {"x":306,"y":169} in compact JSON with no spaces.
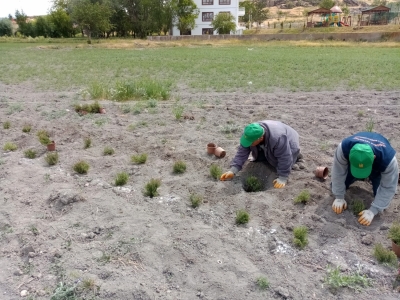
{"x":242,"y":217}
{"x":150,"y":189}
{"x":139,"y":159}
{"x":385,"y":256}
{"x":87,"y":143}
{"x":252,"y":184}
{"x":9,"y":146}
{"x":108,"y":151}
{"x":7,"y":125}
{"x":178,"y":111}
{"x":357,"y":206}
{"x":215,"y":171}
{"x":44,"y":137}
{"x":262,"y":283}
{"x":121,"y":178}
{"x":179,"y":167}
{"x":300,"y":236}
{"x":81,"y":167}
{"x":30,"y":153}
{"x":303,"y":197}
{"x":27,"y":128}
{"x":196,"y":200}
{"x":51,"y":158}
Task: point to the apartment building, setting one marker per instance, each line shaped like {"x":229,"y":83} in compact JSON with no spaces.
{"x":208,"y":9}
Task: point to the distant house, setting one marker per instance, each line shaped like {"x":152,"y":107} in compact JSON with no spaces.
{"x":208,"y":10}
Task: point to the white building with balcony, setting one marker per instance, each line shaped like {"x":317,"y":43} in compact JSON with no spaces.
{"x":208,"y":10}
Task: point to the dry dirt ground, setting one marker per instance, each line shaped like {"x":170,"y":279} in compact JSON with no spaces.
{"x":60,"y":228}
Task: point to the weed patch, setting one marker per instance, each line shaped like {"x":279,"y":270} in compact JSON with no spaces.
{"x":9,"y":146}
{"x":385,"y":256}
{"x":335,"y":279}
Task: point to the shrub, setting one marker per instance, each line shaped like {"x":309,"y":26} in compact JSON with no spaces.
{"x":215,"y":171}
{"x":300,"y":236}
{"x":10,"y":146}
{"x":81,"y":167}
{"x":139,"y":159}
{"x":6,"y":125}
{"x":303,"y":197}
{"x":44,"y":137}
{"x":30,"y":153}
{"x":394,"y":233}
{"x":151,"y":188}
{"x":262,"y":283}
{"x":385,"y":256}
{"x":51,"y":158}
{"x":357,"y":206}
{"x":196,"y":200}
{"x":87,"y":143}
{"x":121,"y":178}
{"x":27,"y":128}
{"x":252,"y":184}
{"x":242,"y":217}
{"x":179,"y":167}
{"x":108,"y":151}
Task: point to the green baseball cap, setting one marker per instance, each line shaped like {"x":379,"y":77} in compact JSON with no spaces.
{"x":252,"y":132}
{"x":361,"y":159}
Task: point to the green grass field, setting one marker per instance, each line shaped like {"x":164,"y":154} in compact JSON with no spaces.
{"x":269,"y":66}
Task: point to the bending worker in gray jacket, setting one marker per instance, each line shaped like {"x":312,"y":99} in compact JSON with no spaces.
{"x":270,"y":141}
{"x":365,"y":154}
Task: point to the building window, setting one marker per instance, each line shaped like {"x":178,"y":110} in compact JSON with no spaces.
{"x":224,"y":2}
{"x":208,"y":16}
{"x":208,"y":31}
{"x":207,"y":2}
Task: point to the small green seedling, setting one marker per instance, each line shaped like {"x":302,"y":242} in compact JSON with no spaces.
{"x":6,"y":125}
{"x":87,"y":143}
{"x":179,"y":167}
{"x":51,"y":158}
{"x":262,"y":283}
{"x":357,"y":206}
{"x":178,"y":111}
{"x":89,"y":284}
{"x":139,"y":159}
{"x":151,"y":187}
{"x":10,"y":146}
{"x":252,"y":184}
{"x":385,"y":256}
{"x":30,"y":153}
{"x":44,"y":137}
{"x":360,"y":113}
{"x":121,"y":178}
{"x":27,"y":128}
{"x":300,"y":236}
{"x":215,"y":171}
{"x":303,"y":197}
{"x":242,"y":217}
{"x":81,"y":167}
{"x":108,"y":151}
{"x":196,"y":200}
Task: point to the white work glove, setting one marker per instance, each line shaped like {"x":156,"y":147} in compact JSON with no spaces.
{"x":227,"y":176}
{"x":339,"y":205}
{"x":366,"y":217}
{"x":280,"y":182}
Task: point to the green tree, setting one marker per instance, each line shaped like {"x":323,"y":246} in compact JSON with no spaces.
{"x":61,"y":23}
{"x":328,"y":4}
{"x":255,"y":11}
{"x":5,"y":27}
{"x":345,"y":10}
{"x":185,"y":14}
{"x":92,"y":17}
{"x":24,"y":27}
{"x":224,"y":23}
{"x":43,"y":27}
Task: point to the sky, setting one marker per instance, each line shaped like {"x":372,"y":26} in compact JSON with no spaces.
{"x":30,"y":7}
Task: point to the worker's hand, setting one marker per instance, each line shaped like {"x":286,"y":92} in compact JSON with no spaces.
{"x":279,"y":183}
{"x":366,"y":217}
{"x":339,"y":205}
{"x":227,"y":176}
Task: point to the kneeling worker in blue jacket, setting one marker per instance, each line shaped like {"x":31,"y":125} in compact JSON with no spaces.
{"x":365,"y":154}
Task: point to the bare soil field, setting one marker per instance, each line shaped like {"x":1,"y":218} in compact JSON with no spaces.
{"x":63,"y":231}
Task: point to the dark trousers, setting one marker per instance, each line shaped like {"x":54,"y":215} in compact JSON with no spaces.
{"x":374,"y":177}
{"x":261,"y":154}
